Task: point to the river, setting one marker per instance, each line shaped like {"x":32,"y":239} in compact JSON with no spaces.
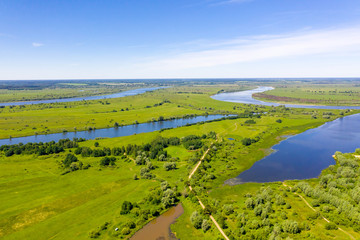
{"x":159,"y":228}
{"x":302,"y":156}
{"x":111,"y":132}
{"x":108,"y":96}
{"x":246,"y":97}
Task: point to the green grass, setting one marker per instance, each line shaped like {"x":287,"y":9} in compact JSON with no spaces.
{"x":321,"y":94}
{"x":37,"y":202}
{"x":59,"y":117}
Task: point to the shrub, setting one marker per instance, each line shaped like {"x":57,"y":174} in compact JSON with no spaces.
{"x":205,"y":225}
{"x":169,"y":166}
{"x":126,"y":207}
{"x":196,"y":219}
{"x":330,"y":226}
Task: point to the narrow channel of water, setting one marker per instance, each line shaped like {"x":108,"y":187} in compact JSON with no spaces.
{"x":305,"y":155}
{"x":111,"y":132}
{"x":246,"y":97}
{"x":159,"y":228}
{"x":115,"y":95}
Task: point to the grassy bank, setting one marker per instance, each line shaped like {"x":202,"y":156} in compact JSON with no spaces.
{"x":319,"y":94}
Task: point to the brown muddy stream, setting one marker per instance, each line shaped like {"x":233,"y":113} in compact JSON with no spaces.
{"x":159,"y":228}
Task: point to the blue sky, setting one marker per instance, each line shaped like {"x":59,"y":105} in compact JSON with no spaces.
{"x":87,"y":39}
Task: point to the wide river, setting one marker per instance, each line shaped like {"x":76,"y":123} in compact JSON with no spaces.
{"x":111,"y":132}
{"x":304,"y":155}
{"x":115,"y":95}
{"x":246,"y":97}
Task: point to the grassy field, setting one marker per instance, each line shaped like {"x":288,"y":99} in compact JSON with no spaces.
{"x":172,"y":102}
{"x":321,"y":94}
{"x":40,"y":203}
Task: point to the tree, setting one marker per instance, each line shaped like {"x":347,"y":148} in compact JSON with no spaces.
{"x":96,"y":144}
{"x":70,"y":158}
{"x":126,"y":207}
{"x":205,"y":225}
{"x":169,"y":166}
{"x":196,"y":219}
{"x":168,"y":198}
{"x":106,"y":161}
{"x":330,"y":226}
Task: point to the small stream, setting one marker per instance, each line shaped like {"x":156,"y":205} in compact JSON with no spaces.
{"x":159,"y":228}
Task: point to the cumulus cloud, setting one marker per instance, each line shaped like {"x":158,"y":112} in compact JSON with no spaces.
{"x":255,"y":48}
{"x":36,"y":44}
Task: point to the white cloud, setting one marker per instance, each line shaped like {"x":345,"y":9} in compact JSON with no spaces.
{"x":36,"y":44}
{"x":257,"y":48}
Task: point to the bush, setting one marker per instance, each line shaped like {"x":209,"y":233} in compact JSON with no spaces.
{"x":250,"y":121}
{"x":196,"y":219}
{"x":289,"y":226}
{"x":279,"y":121}
{"x":125,"y":231}
{"x":126,"y":207}
{"x":169,"y":166}
{"x":205,"y":225}
{"x":69,"y":159}
{"x":106,"y":161}
{"x":330,"y":226}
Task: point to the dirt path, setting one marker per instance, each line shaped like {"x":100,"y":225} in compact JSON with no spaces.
{"x":200,"y":202}
{"x":199,"y":163}
{"x":327,"y":220}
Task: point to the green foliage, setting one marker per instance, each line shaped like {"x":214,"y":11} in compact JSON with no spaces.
{"x":126,"y":207}
{"x":169,"y":166}
{"x":107,"y":161}
{"x":70,"y":158}
{"x":330,"y":226}
{"x":196,"y":220}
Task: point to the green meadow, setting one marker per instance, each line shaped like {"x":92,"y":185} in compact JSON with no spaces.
{"x":41,"y":199}
{"x":321,"y":94}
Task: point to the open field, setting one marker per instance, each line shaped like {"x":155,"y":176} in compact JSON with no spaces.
{"x":172,"y":102}
{"x":38,"y":199}
{"x":43,"y":199}
{"x":318,"y":94}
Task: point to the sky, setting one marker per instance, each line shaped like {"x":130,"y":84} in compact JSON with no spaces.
{"x":125,"y":39}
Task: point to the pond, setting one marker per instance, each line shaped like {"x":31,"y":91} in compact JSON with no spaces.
{"x":246,"y":97}
{"x":112,"y":132}
{"x":115,"y":95}
{"x":159,"y":228}
{"x":305,"y":155}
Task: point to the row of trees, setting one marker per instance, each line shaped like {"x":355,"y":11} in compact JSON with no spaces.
{"x":40,"y":148}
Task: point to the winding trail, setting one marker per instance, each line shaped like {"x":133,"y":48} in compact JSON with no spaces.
{"x":308,"y":204}
{"x":200,"y":202}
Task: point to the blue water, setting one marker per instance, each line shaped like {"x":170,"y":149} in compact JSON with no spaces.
{"x":246,"y":97}
{"x":305,"y":155}
{"x":115,"y":95}
{"x":111,"y":132}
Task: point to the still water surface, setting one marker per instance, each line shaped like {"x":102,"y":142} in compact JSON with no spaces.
{"x":305,"y":155}
{"x":115,"y":95}
{"x":111,"y":132}
{"x":246,"y":97}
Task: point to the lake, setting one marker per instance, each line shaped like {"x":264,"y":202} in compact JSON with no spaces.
{"x":305,"y":155}
{"x":111,"y":132}
{"x":246,"y":97}
{"x":115,"y":95}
